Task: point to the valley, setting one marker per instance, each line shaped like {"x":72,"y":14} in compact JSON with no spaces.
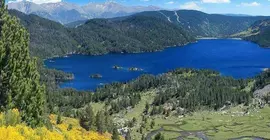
{"x":109,"y":71}
{"x":240,"y":59}
{"x":51,"y":39}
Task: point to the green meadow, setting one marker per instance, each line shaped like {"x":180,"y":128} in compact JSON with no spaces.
{"x":236,"y":122}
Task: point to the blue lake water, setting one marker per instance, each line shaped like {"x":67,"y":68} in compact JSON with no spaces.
{"x":237,"y":58}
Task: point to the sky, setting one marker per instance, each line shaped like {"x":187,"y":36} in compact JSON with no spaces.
{"x":249,"y":7}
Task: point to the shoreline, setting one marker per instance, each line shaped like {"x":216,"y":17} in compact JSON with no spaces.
{"x":215,"y":38}
{"x":166,"y":47}
{"x":78,"y":53}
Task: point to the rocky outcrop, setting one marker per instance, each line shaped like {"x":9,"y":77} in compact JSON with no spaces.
{"x":260,"y":93}
{"x":135,"y":69}
{"x":96,"y":76}
{"x":117,"y":67}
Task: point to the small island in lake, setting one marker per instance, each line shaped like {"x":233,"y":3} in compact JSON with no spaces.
{"x":135,"y":69}
{"x":96,"y":76}
{"x":117,"y":67}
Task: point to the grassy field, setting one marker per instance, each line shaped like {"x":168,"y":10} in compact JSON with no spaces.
{"x":233,"y":123}
{"x":246,"y":33}
{"x":224,"y":125}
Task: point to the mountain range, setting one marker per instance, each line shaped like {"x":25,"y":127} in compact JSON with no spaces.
{"x":201,"y":24}
{"x":131,"y":34}
{"x":65,"y":12}
{"x":142,"y":32}
{"x":198,"y":23}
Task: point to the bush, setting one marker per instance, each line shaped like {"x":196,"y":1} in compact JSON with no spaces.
{"x":10,"y":118}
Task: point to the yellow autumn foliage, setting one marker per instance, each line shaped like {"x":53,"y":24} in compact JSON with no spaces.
{"x":61,"y":131}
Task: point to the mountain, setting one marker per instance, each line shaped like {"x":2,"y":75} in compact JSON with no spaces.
{"x":238,"y":15}
{"x":65,"y":12}
{"x":142,"y":32}
{"x":100,"y":36}
{"x":259,"y":33}
{"x":205,"y":25}
{"x":132,"y":34}
{"x":47,"y":38}
{"x":75,"y":24}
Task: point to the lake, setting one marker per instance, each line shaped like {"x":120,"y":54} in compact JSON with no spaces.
{"x":236,"y":58}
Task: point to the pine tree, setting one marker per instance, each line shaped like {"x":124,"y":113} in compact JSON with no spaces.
{"x":87,"y":118}
{"x":128,"y":136}
{"x":90,"y":117}
{"x":59,"y":119}
{"x":19,"y":78}
{"x":141,"y":129}
{"x":159,"y":136}
{"x":152,"y":124}
{"x":100,"y":122}
{"x":154,"y":111}
{"x":143,"y":137}
{"x":108,"y":121}
{"x":115,"y":134}
{"x":147,"y":106}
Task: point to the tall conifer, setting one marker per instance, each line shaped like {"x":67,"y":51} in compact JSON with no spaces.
{"x":19,"y":78}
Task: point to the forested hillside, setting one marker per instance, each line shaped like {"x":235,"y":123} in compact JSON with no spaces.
{"x":205,"y":25}
{"x":60,"y":128}
{"x":47,"y":38}
{"x":259,"y":33}
{"x":169,"y":101}
{"x":183,"y":103}
{"x":101,"y":36}
{"x":132,"y":34}
{"x":143,"y":32}
{"x":23,"y":99}
{"x":182,"y":88}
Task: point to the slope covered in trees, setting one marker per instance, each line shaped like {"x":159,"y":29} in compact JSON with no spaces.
{"x":259,"y":33}
{"x":101,"y":36}
{"x":23,"y":102}
{"x":205,"y":25}
{"x":47,"y":38}
{"x":147,"y":31}
{"x":150,"y":102}
{"x":183,"y":88}
{"x":176,"y":93}
{"x":12,"y":128}
{"x":132,"y":34}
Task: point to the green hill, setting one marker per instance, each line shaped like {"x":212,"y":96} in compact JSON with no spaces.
{"x":47,"y":38}
{"x":142,"y":32}
{"x":182,"y":104}
{"x":259,"y":33}
{"x":101,"y":36}
{"x":205,"y":25}
{"x":129,"y":35}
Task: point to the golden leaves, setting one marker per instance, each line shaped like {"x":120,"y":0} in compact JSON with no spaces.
{"x":59,"y":132}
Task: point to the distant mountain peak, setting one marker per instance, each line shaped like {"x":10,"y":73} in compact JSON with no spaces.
{"x":65,"y":12}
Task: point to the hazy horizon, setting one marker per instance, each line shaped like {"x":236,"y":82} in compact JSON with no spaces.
{"x":246,"y":7}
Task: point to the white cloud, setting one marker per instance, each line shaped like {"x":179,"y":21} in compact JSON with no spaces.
{"x":216,"y":1}
{"x":37,"y":1}
{"x":191,"y":6}
{"x":170,"y":2}
{"x":252,"y":4}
